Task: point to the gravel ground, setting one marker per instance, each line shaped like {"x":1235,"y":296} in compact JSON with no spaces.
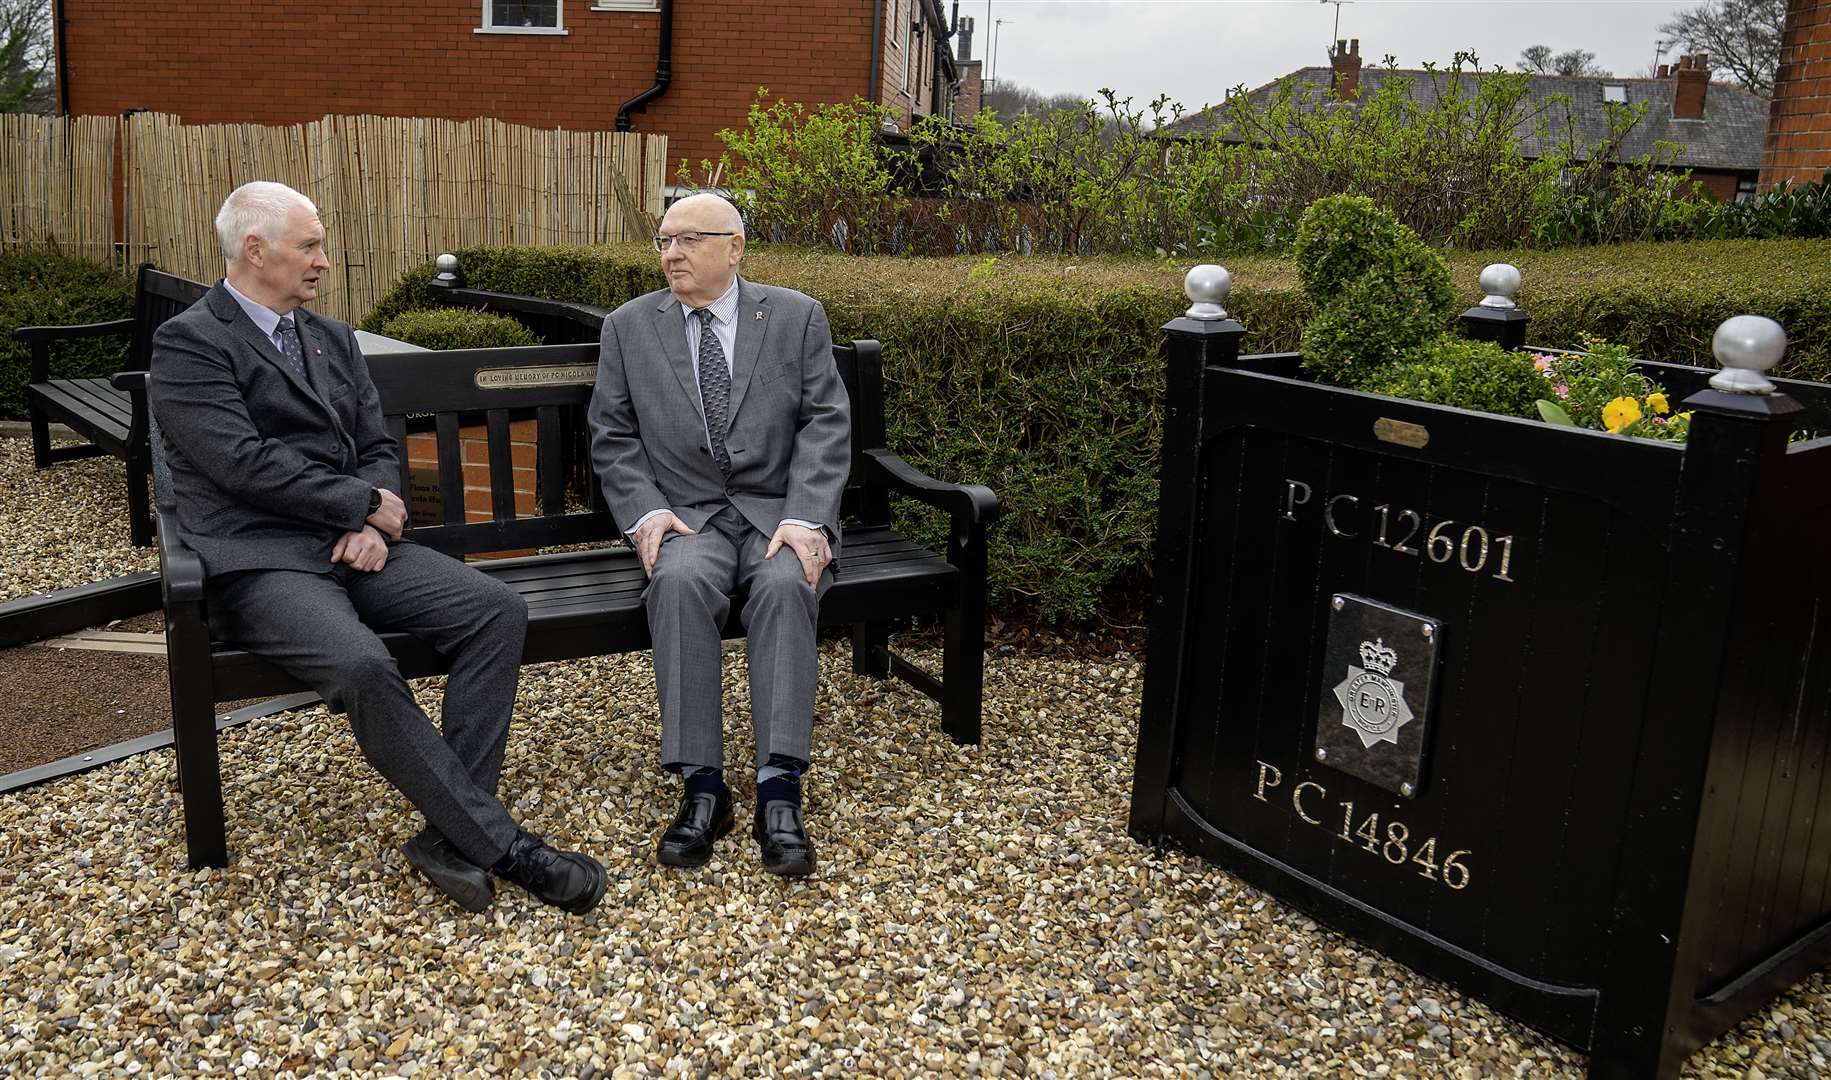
{"x":65,"y":525}
{"x":976,"y":910}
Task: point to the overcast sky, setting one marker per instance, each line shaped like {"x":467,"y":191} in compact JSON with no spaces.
{"x":1194,"y":50}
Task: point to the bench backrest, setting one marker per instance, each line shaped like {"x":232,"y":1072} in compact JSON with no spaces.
{"x":444,"y":392}
{"x":157,"y":297}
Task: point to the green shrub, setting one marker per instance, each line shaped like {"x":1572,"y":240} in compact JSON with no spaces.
{"x":458,"y":328}
{"x":1042,"y":377}
{"x":42,"y":287}
{"x":1378,"y":292}
{"x":1466,"y":374}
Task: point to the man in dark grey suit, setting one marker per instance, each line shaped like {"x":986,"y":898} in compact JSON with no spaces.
{"x":281,"y":470}
{"x":720,"y":436}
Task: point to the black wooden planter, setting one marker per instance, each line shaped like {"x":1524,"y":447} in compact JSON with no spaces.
{"x":1541,"y":712}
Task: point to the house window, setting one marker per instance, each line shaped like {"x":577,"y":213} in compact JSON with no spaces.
{"x":627,"y":5}
{"x":1745,"y":188}
{"x":522,"y":17}
{"x":909,"y":51}
{"x":1615,"y":92}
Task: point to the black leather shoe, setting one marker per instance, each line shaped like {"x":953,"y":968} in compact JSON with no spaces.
{"x":703,"y":817}
{"x":449,"y":871}
{"x":783,"y":837}
{"x":566,"y":879}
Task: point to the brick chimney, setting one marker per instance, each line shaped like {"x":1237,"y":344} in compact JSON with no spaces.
{"x":963,"y":30}
{"x":1690,"y":81}
{"x":1345,"y":70}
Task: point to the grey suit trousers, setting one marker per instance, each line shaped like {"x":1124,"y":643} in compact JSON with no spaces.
{"x":321,"y":629}
{"x":688,"y":601}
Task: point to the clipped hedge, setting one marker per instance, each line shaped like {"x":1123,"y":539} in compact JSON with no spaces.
{"x":1042,"y":376}
{"x":42,"y":287}
{"x":458,"y":328}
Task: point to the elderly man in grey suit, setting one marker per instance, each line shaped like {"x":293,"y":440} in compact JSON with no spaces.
{"x":720,"y":436}
{"x":283,"y":476}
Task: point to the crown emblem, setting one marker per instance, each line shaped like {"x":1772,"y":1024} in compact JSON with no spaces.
{"x":1378,"y":657}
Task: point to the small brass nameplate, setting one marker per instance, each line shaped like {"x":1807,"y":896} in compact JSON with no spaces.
{"x":1401,"y":432}
{"x":516,"y":378}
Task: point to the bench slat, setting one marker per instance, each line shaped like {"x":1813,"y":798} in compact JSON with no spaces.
{"x":502,"y":466}
{"x":451,"y":469}
{"x":547,"y":464}
{"x":101,"y":396}
{"x":397,"y":430}
{"x":60,"y":400}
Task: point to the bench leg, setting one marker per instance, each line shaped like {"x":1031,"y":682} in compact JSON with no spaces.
{"x":41,"y":435}
{"x":194,"y":736}
{"x":139,"y":502}
{"x":963,"y":650}
{"x":871,"y":650}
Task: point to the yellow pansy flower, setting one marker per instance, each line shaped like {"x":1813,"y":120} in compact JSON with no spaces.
{"x":1619,"y":413}
{"x":1657,"y":402}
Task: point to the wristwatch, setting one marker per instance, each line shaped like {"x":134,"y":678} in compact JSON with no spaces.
{"x":374,"y":499}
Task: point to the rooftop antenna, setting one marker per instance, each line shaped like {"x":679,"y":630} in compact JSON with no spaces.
{"x":992,"y":73}
{"x":1336,"y":33}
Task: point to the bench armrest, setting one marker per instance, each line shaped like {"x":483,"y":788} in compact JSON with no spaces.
{"x":180,"y":569}
{"x":35,"y":334}
{"x":972,"y":503}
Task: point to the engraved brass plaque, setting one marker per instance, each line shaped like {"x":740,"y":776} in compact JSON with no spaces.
{"x":516,"y":378}
{"x":1401,"y":432}
{"x":1378,"y":672}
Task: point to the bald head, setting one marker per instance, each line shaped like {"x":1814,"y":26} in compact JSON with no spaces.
{"x":702,"y":242}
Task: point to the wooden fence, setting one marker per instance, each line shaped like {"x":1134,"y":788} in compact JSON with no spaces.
{"x":393,"y":192}
{"x":56,"y":183}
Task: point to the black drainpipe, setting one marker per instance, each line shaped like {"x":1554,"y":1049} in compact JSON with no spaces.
{"x":663,"y":71}
{"x":59,"y":39}
{"x":874,"y":91}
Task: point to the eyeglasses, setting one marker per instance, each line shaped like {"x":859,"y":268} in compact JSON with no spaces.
{"x":688,"y":241}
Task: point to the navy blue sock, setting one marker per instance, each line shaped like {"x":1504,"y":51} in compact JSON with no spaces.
{"x":784,"y":787}
{"x":705,"y":780}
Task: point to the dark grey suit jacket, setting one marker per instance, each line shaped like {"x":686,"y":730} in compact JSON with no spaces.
{"x":788,"y":432}
{"x":265,"y":472}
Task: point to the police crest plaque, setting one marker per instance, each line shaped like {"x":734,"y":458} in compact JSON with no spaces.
{"x":1373,"y":715}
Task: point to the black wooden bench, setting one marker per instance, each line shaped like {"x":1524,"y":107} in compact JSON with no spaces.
{"x":110,"y":419}
{"x":586,"y":603}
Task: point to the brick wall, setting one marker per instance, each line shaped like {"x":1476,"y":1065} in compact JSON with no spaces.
{"x":288,"y":61}
{"x":1799,"y":120}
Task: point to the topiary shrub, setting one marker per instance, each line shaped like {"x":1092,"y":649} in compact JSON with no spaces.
{"x":44,"y":287}
{"x":1379,"y":293}
{"x":1467,"y":375}
{"x":458,"y":328}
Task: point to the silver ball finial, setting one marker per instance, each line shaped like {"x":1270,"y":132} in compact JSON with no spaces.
{"x":448,"y":267}
{"x":1746,"y":346}
{"x":1206,"y":286}
{"x":1499,"y":281}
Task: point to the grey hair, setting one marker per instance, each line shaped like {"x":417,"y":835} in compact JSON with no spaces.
{"x":259,"y":207}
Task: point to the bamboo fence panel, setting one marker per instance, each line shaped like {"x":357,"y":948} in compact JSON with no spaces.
{"x":392,"y":192}
{"x":57,"y":183}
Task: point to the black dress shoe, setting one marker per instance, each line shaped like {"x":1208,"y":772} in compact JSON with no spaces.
{"x":566,"y":879}
{"x":703,"y":817}
{"x":449,"y":871}
{"x":783,"y":837}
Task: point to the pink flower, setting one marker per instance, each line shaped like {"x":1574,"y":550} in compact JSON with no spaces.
{"x":1561,"y":390}
{"x":1541,"y":362}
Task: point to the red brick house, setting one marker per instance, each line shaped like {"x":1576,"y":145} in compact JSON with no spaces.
{"x":1799,"y":124}
{"x":684,"y":68}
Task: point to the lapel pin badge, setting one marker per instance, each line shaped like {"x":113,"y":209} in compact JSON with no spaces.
{"x":759,"y":316}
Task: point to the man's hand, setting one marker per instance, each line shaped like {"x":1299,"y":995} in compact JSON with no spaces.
{"x":649,"y":536}
{"x":365,"y":550}
{"x":391,"y":518}
{"x":809,"y":546}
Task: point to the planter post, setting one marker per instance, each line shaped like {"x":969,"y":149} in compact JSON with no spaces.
{"x":447,"y":277}
{"x":1203,"y":338}
{"x":1497,"y":318}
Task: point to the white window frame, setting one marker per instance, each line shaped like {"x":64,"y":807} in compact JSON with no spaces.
{"x":1620,"y":90}
{"x":558,"y":29}
{"x":626,"y":5}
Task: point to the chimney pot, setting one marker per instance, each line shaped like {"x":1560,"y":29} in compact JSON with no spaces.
{"x":1690,"y":84}
{"x":1354,"y":47}
{"x":1345,"y":70}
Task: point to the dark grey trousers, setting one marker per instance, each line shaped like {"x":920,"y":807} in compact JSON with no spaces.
{"x":688,"y":601}
{"x":321,"y":629}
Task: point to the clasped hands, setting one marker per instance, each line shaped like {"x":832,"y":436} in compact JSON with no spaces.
{"x":366,"y":549}
{"x":809,"y":545}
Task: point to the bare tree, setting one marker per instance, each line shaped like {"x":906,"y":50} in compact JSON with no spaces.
{"x":25,"y":56}
{"x":1740,"y":37}
{"x":1540,"y":59}
{"x":1010,"y":100}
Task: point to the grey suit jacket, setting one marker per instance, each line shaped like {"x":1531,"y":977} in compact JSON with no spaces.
{"x":265,"y":472}
{"x":788,"y":430}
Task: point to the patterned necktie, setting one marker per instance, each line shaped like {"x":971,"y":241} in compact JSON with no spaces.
{"x":714,"y":389}
{"x":289,"y":345}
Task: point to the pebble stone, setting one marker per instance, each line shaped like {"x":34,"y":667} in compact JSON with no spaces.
{"x":977,"y":911}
